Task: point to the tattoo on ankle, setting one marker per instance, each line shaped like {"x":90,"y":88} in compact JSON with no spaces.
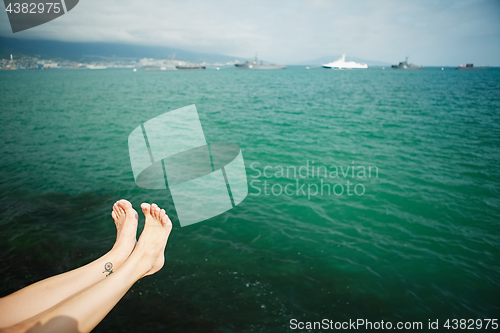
{"x":108,"y":267}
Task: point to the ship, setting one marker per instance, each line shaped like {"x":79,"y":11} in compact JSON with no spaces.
{"x":406,"y":65}
{"x":342,"y":64}
{"x":190,"y":67}
{"x":160,"y":68}
{"x":467,"y":67}
{"x":256,"y":64}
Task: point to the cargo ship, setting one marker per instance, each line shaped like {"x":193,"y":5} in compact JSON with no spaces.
{"x":190,"y":67}
{"x":256,"y":64}
{"x":467,"y":67}
{"x":160,"y":68}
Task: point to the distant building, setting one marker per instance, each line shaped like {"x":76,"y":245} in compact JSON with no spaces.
{"x":49,"y":65}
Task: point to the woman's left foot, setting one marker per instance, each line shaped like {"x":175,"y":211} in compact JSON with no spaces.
{"x":126,"y":226}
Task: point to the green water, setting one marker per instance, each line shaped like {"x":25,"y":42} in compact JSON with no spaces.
{"x":422,"y":242}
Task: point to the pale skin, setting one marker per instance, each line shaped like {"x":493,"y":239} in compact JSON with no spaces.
{"x":78,"y":300}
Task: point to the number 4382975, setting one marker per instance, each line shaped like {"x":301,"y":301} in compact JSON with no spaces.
{"x":471,"y":324}
{"x":33,"y":8}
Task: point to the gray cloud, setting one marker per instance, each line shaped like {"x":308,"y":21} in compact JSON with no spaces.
{"x":430,"y":32}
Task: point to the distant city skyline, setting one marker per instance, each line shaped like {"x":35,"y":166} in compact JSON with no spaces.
{"x":431,"y":33}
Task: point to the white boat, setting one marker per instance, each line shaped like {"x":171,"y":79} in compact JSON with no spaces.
{"x":342,"y":64}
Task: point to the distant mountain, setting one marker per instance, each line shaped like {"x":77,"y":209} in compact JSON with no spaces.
{"x":81,"y":52}
{"x":327,"y":59}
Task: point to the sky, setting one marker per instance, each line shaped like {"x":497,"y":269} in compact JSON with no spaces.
{"x":431,"y":33}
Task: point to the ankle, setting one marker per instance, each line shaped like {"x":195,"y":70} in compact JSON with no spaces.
{"x":118,"y":255}
{"x":142,"y":263}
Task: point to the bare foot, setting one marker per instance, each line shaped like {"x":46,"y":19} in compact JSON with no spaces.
{"x":151,"y":245}
{"x":126,"y":226}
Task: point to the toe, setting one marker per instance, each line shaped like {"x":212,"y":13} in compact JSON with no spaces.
{"x":116,"y":211}
{"x":124,"y":204}
{"x":128,"y":209}
{"x":162,"y":213}
{"x":154,"y":210}
{"x":113,"y":215}
{"x":166,"y":221}
{"x":146,"y":208}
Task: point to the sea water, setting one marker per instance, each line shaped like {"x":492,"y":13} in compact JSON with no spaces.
{"x":417,"y":239}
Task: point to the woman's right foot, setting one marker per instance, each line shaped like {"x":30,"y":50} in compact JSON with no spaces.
{"x":151,"y":244}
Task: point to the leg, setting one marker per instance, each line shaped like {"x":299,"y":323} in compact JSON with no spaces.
{"x":83,"y":311}
{"x":44,"y":294}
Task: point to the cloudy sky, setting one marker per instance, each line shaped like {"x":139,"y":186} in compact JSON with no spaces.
{"x":431,"y":33}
